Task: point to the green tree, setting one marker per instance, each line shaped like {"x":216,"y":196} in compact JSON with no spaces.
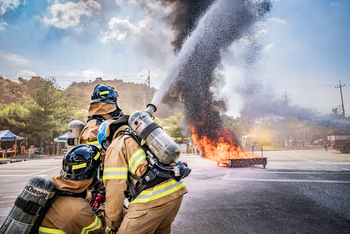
{"x":50,"y":113}
{"x":13,"y":117}
{"x":172,"y":126}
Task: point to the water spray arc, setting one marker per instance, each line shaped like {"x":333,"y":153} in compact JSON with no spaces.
{"x":193,"y":74}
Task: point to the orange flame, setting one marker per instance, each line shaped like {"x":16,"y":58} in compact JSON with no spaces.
{"x":220,"y":150}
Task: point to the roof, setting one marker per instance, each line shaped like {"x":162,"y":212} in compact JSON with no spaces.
{"x":62,"y":138}
{"x":7,"y":135}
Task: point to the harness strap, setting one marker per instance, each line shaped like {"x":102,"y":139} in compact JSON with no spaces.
{"x":42,"y":214}
{"x":70,"y":194}
{"x":29,"y":207}
{"x":99,"y":119}
{"x":49,"y":203}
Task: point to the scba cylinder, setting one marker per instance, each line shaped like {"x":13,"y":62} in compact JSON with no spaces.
{"x":74,"y":129}
{"x":160,"y":143}
{"x":28,"y":205}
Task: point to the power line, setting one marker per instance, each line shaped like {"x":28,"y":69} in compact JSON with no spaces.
{"x":301,"y":86}
{"x":341,"y":95}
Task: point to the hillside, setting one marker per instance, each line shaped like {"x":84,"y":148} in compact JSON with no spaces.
{"x":131,"y":95}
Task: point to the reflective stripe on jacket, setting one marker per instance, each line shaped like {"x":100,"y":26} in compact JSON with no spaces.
{"x":94,"y":226}
{"x":71,"y":215}
{"x":159,"y":191}
{"x":125,"y":155}
{"x":44,"y":230}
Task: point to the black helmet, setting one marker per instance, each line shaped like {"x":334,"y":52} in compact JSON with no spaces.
{"x":81,"y":162}
{"x":104,"y":93}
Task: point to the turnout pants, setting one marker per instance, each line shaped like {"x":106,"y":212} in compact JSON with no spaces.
{"x":156,"y":220}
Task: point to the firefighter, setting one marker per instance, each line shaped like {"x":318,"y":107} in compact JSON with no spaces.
{"x":104,"y":105}
{"x":70,"y":212}
{"x":155,"y":209}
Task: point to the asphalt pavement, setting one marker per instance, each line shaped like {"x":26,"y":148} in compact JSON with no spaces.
{"x":299,"y":191}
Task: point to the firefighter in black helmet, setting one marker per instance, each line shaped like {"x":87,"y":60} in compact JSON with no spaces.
{"x":104,"y":105}
{"x":81,"y":163}
{"x":70,"y":212}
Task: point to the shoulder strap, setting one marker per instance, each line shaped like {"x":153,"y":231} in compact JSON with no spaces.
{"x":45,"y":209}
{"x":42,"y":214}
{"x":70,"y":194}
{"x":117,"y":124}
{"x":99,"y":119}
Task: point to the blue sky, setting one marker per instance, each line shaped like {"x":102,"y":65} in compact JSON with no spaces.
{"x":304,"y":46}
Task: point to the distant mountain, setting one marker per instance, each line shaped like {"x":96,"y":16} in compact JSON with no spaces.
{"x":131,"y":95}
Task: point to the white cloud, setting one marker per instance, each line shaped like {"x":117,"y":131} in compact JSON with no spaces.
{"x":260,"y":33}
{"x":26,"y":74}
{"x":131,"y":2}
{"x":273,"y":19}
{"x":2,"y":25}
{"x":13,"y":58}
{"x":90,"y":74}
{"x":336,"y":3}
{"x":122,"y":29}
{"x":73,"y":74}
{"x":6,"y":5}
{"x":69,"y":14}
{"x":119,"y":2}
{"x":268,"y":47}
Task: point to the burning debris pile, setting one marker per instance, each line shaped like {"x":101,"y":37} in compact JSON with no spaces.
{"x":194,"y":74}
{"x":222,"y":149}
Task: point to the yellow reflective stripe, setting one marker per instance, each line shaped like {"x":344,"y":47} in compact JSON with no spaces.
{"x":116,"y":173}
{"x":159,"y":191}
{"x":74,"y":167}
{"x":97,"y":156}
{"x":95,"y":143}
{"x":104,"y":92}
{"x":45,"y":230}
{"x":92,"y":227}
{"x":177,"y":150}
{"x":135,"y":160}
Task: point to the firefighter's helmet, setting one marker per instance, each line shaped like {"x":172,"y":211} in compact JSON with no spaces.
{"x":107,"y":94}
{"x":81,"y":162}
{"x":104,"y":93}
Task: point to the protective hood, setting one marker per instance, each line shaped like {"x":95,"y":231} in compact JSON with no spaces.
{"x":75,"y":186}
{"x":101,"y":108}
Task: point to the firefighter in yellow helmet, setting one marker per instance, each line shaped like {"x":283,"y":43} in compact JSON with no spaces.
{"x":104,"y":105}
{"x":156,"y":207}
{"x":70,"y":212}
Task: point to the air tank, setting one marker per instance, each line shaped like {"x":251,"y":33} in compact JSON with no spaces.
{"x":160,"y":143}
{"x":74,"y":129}
{"x":28,"y":205}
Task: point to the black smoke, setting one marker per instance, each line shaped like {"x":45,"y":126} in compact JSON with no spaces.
{"x":222,"y":23}
{"x":183,"y":18}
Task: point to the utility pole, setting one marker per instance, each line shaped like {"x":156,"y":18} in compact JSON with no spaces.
{"x":149,"y":87}
{"x":147,"y":90}
{"x":341,"y":95}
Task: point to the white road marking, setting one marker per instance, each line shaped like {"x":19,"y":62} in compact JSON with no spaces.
{"x":328,"y":164}
{"x":227,"y":177}
{"x":37,"y":172}
{"x":5,"y":211}
{"x":298,"y":172}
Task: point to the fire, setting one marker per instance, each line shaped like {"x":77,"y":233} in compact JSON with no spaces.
{"x":221,"y":149}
